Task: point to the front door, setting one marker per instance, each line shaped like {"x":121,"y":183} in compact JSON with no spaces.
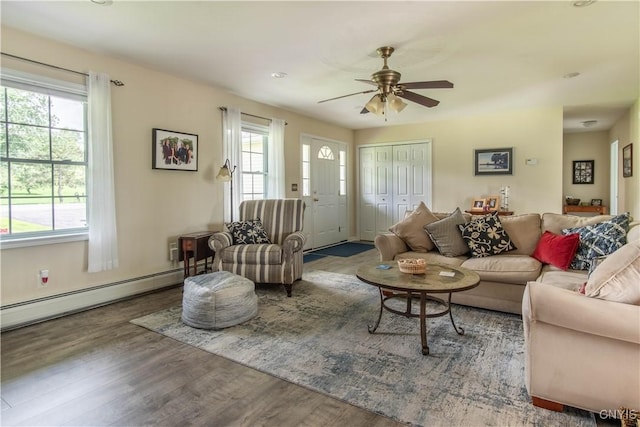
{"x":325,"y":173}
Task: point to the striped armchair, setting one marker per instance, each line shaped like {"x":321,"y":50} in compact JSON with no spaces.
{"x":277,"y":262}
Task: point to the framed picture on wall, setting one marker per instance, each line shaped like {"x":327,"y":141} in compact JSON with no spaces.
{"x":174,"y":150}
{"x":583,"y":171}
{"x":494,"y":161}
{"x":627,"y":161}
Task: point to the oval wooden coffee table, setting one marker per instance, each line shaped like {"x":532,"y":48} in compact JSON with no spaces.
{"x":438,"y":279}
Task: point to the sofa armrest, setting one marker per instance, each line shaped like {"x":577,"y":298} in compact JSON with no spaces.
{"x":220,"y":240}
{"x":571,"y":310}
{"x":389,"y":245}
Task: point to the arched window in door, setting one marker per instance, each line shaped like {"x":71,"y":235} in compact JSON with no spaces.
{"x":325,"y":153}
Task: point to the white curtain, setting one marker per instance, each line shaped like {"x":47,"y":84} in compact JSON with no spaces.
{"x":276,"y":188}
{"x":103,"y":243}
{"x":232,"y":150}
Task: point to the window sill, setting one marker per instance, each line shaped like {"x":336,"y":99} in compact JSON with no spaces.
{"x":43,"y":240}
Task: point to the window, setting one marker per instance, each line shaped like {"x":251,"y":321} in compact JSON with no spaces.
{"x":306,"y":170}
{"x":43,"y":157}
{"x":254,"y":161}
{"x":343,"y":173}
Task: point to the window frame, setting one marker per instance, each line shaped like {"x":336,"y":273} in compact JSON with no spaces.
{"x":264,"y":132}
{"x":52,"y":88}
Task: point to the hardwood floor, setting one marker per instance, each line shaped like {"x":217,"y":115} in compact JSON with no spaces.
{"x":95,"y":368}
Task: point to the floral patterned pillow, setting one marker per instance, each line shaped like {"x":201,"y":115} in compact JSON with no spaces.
{"x":485,"y":236}
{"x":248,"y":232}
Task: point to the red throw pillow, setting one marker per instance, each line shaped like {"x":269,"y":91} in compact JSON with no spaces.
{"x":557,"y":250}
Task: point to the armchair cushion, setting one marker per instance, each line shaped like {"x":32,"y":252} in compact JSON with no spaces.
{"x":268,"y":254}
{"x":248,"y":232}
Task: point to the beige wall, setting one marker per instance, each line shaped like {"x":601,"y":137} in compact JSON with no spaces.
{"x":533,"y":134}
{"x":153,"y":206}
{"x":587,"y":146}
{"x":627,"y":131}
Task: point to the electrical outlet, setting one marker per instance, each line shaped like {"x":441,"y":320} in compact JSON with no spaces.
{"x":173,"y":251}
{"x":43,"y":278}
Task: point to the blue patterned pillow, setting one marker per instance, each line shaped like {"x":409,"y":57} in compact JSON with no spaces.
{"x":485,"y":236}
{"x":598,"y":240}
{"x":248,"y":232}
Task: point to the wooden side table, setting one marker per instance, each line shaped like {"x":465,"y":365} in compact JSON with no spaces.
{"x":600,"y":210}
{"x":196,"y":246}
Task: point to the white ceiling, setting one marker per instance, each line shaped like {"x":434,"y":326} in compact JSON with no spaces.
{"x":499,"y":54}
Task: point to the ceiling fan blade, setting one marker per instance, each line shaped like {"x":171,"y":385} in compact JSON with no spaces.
{"x":344,"y":96}
{"x":364,"y":111}
{"x":419,"y":99}
{"x":371,"y":82}
{"x":435,"y":84}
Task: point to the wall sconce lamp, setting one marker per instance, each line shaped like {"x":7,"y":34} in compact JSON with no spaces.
{"x":226,"y":175}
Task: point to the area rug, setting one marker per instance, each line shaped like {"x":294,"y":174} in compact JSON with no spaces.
{"x":345,"y":249}
{"x":318,"y":339}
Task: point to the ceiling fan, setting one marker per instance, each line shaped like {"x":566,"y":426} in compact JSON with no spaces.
{"x":390,"y":90}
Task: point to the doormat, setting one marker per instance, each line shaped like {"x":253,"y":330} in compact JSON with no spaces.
{"x":345,"y":249}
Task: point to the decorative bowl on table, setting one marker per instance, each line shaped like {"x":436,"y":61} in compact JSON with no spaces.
{"x":412,"y":265}
{"x":572,"y":202}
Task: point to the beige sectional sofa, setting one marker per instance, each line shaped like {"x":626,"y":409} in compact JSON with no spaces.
{"x":581,"y":350}
{"x":503,"y":277}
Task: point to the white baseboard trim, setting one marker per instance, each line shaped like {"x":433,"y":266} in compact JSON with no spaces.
{"x":21,"y":314}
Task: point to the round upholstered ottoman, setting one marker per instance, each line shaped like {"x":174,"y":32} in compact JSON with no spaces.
{"x":218,"y":300}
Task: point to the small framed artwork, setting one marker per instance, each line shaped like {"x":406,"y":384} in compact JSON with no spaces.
{"x":478,"y":204}
{"x":583,"y":171}
{"x":627,"y":161}
{"x":174,"y":150}
{"x":596,"y":202}
{"x":493,"y":203}
{"x":494,"y":161}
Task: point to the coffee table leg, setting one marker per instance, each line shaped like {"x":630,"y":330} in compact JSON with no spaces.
{"x":373,"y":328}
{"x":423,"y":323}
{"x":460,"y":331}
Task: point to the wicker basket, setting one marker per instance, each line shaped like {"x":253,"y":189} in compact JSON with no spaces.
{"x":412,"y":266}
{"x":572,"y":202}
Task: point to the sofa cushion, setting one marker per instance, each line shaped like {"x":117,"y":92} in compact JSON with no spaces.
{"x":248,"y":232}
{"x":565,"y":279}
{"x":446,"y":236}
{"x":617,"y":278}
{"x":485,"y":236}
{"x":524,"y":231}
{"x":411,"y":229}
{"x":505,"y":268}
{"x":557,"y":250}
{"x":599,"y":239}
{"x":555,"y":223}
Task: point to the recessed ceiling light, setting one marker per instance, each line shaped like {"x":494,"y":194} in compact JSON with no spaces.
{"x":279,"y":75}
{"x":571,"y":75}
{"x":102,"y":2}
{"x":589,"y":123}
{"x":583,"y":3}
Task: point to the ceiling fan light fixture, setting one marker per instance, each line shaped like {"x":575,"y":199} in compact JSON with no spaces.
{"x":395,"y":103}
{"x":375,"y":105}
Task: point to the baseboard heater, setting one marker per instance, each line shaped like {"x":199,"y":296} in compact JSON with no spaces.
{"x":13,"y":316}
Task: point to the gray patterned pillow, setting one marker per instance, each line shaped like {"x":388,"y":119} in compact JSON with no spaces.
{"x":485,"y":236}
{"x":248,"y":232}
{"x":446,"y":235}
{"x":598,"y":240}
